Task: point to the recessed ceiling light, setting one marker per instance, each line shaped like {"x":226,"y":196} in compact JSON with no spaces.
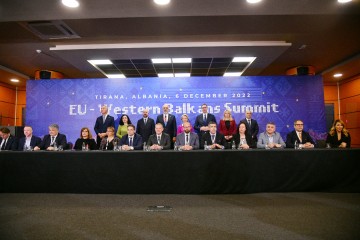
{"x":182,"y":74}
{"x":243,"y":59}
{"x":337,"y":75}
{"x":100,"y":62}
{"x":162,"y":2}
{"x":70,"y":3}
{"x":14,"y":80}
{"x":161,"y":60}
{"x":253,"y":1}
{"x":115,"y":75}
{"x":165,"y":75}
{"x":232,"y":74}
{"x":181,"y":60}
{"x":344,"y":1}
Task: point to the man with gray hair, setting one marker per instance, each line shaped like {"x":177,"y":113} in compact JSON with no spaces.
{"x":54,"y":138}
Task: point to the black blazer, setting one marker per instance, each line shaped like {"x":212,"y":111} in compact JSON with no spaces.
{"x":35,"y":141}
{"x":253,"y":130}
{"x":292,"y":137}
{"x":199,"y":122}
{"x":101,"y":127}
{"x":60,"y":140}
{"x":171,"y":127}
{"x":11,"y":143}
{"x":90,"y":142}
{"x":137,"y":141}
{"x":334,"y":142}
{"x":219,"y":139}
{"x":145,"y":130}
{"x":164,"y":140}
{"x":249,"y":140}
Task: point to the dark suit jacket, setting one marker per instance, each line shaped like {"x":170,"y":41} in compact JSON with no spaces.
{"x":11,"y":143}
{"x":101,"y":127}
{"x":35,"y":141}
{"x":334,"y":142}
{"x":164,"y":140}
{"x":137,"y":141}
{"x":145,"y":130}
{"x":193,"y":141}
{"x":199,"y":122}
{"x":60,"y":140}
{"x":292,"y":137}
{"x":253,"y":130}
{"x":170,"y":127}
{"x":249,"y":140}
{"x":219,"y":139}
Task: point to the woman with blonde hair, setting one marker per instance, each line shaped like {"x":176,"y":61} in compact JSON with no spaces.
{"x":339,"y":136}
{"x":227,"y":126}
{"x":184,"y":118}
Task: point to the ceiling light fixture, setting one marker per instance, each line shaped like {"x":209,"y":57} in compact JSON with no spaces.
{"x":243,"y":59}
{"x":14,"y":80}
{"x":337,"y":75}
{"x":161,"y":60}
{"x":115,"y":75}
{"x":100,"y":62}
{"x":70,"y":3}
{"x":253,"y":1}
{"x":181,"y":60}
{"x":182,"y":74}
{"x":344,"y":1}
{"x":162,"y":2}
{"x":232,"y":74}
{"x":165,"y":75}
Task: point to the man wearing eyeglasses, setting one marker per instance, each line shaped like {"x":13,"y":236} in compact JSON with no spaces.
{"x":300,"y":136}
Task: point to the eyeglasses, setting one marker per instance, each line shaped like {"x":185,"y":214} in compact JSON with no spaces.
{"x":299,"y":124}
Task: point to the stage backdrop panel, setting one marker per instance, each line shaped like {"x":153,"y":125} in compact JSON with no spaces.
{"x":75,"y":103}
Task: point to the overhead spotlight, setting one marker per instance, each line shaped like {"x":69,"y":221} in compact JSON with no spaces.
{"x":70,"y":3}
{"x":253,"y":1}
{"x":337,"y":75}
{"x":14,"y":80}
{"x":162,"y":2}
{"x":344,"y":1}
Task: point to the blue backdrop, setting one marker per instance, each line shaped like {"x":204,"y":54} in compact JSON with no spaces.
{"x":75,"y":103}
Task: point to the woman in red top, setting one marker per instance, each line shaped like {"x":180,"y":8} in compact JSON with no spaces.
{"x":227,"y":126}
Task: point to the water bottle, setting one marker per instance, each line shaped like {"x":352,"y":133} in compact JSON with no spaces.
{"x":296,"y":145}
{"x":205,"y":145}
{"x":83,"y":147}
{"x":25,"y":147}
{"x":55,"y":146}
{"x":144,"y":147}
{"x":175,"y":146}
{"x":233,"y":145}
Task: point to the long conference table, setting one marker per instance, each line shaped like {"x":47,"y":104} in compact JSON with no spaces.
{"x":180,"y":172}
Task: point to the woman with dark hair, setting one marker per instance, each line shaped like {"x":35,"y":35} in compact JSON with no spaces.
{"x":85,"y":139}
{"x":242,"y":138}
{"x":123,"y":123}
{"x":339,"y":136}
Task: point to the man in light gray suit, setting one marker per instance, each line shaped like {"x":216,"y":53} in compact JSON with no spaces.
{"x":270,"y":138}
{"x":187,"y":140}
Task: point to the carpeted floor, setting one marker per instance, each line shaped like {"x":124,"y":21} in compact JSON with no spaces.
{"x":252,"y":216}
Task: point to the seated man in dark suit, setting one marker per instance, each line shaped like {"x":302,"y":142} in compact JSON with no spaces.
{"x":132,"y":140}
{"x":213,"y":139}
{"x":7,"y":141}
{"x":300,"y":136}
{"x":159,"y":140}
{"x":187,"y":140}
{"x":52,"y":140}
{"x":29,"y":141}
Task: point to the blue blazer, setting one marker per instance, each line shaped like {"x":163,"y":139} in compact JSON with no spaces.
{"x":35,"y":141}
{"x":137,"y":141}
{"x":100,"y":126}
{"x":199,"y":122}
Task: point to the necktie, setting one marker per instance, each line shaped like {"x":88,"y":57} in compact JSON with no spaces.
{"x":300,"y":137}
{"x":130,"y":141}
{"x":145,"y":120}
{"x":4,"y":144}
{"x":165,"y":118}
{"x":104,"y":118}
{"x":212,"y":138}
{"x":159,"y":140}
{"x":52,"y":140}
{"x":249,"y":121}
{"x":204,"y":117}
{"x":187,"y":139}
